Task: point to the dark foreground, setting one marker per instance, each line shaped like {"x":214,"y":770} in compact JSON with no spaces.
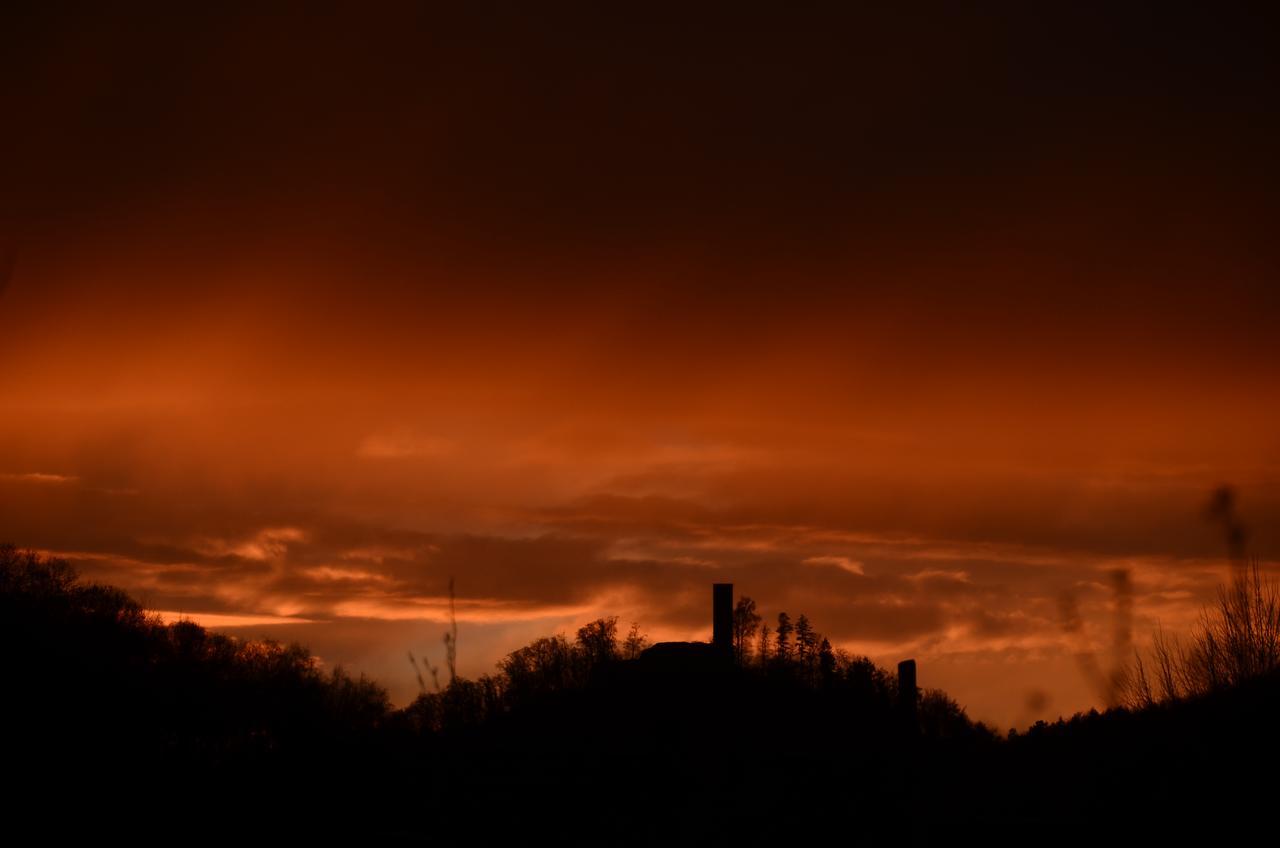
{"x":116,"y":725}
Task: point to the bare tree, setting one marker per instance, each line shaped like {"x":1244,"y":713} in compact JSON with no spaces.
{"x":1240,"y":640}
{"x":598,"y":640}
{"x":745,"y":622}
{"x":635,"y":643}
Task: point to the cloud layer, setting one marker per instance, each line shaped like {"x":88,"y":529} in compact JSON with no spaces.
{"x":924,"y":326}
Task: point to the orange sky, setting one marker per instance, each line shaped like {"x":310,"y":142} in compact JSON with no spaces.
{"x":916,"y":342}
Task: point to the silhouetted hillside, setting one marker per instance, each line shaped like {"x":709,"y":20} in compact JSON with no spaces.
{"x":1201,"y":767}
{"x":115,"y":722}
{"x":103,"y":698}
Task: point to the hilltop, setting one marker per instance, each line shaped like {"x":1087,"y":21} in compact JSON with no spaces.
{"x":122,"y":722}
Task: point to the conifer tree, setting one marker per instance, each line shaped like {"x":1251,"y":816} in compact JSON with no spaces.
{"x":806,"y":640}
{"x":782,"y":637}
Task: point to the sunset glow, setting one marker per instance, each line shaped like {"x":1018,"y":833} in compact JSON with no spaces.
{"x":312,"y":328}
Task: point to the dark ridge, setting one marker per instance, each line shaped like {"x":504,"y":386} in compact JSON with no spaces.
{"x":115,"y":723}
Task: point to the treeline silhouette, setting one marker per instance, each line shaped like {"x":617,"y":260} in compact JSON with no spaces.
{"x":108,"y":709}
{"x":161,"y":690}
{"x":116,"y":722}
{"x":556,"y":664}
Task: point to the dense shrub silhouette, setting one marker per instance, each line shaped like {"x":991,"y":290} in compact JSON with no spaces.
{"x":1234,"y":642}
{"x":547,"y":665}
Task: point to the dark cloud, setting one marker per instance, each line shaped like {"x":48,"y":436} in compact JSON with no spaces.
{"x":510,"y":126}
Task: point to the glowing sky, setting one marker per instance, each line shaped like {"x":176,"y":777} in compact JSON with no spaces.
{"x":914,"y":324}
